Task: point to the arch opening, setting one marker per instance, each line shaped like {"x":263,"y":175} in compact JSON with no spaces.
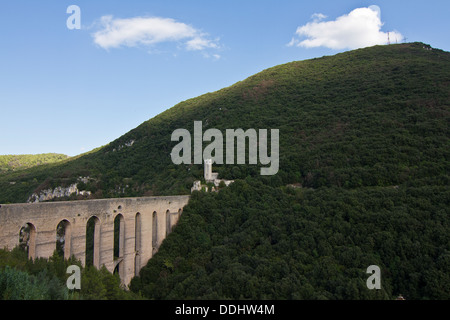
{"x":137,"y":232}
{"x":168,"y":223}
{"x":119,"y":245}
{"x":27,"y":239}
{"x":119,"y":236}
{"x":63,"y":239}
{"x":118,"y":268}
{"x":155,"y":231}
{"x":93,"y":242}
{"x":137,"y":244}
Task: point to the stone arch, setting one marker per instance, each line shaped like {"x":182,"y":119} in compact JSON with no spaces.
{"x":93,"y":242}
{"x":27,"y":239}
{"x":64,"y":238}
{"x":155,"y":243}
{"x":137,"y":243}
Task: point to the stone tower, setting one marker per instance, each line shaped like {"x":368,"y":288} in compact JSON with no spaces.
{"x":208,"y":170}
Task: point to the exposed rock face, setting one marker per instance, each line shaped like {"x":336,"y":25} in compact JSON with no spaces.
{"x":127,"y":144}
{"x":59,"y":192}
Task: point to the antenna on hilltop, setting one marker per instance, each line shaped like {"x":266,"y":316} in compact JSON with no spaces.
{"x":389,"y":40}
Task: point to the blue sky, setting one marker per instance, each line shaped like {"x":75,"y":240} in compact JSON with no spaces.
{"x":69,"y":91}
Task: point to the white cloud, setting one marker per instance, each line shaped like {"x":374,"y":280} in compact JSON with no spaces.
{"x":199,"y":43}
{"x":318,"y":16}
{"x":149,"y":31}
{"x":358,"y":29}
{"x":214,"y":57}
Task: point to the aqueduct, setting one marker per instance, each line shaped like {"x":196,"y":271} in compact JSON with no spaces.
{"x":141,"y":225}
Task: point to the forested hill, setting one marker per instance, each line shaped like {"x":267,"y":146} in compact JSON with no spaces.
{"x":365,"y":137}
{"x":25,"y":161}
{"x":370,"y":117}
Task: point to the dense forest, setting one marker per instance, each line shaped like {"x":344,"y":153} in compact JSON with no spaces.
{"x":363,"y":180}
{"x":260,"y":240}
{"x":45,"y":279}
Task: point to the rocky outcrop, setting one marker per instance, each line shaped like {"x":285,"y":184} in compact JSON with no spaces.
{"x":59,"y":192}
{"x":127,"y":144}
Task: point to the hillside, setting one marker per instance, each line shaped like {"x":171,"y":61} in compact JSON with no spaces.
{"x":371,"y":117}
{"x":25,"y":161}
{"x":258,"y":241}
{"x":363,"y":180}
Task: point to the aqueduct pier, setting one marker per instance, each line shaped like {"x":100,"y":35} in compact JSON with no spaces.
{"x":143,"y":224}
